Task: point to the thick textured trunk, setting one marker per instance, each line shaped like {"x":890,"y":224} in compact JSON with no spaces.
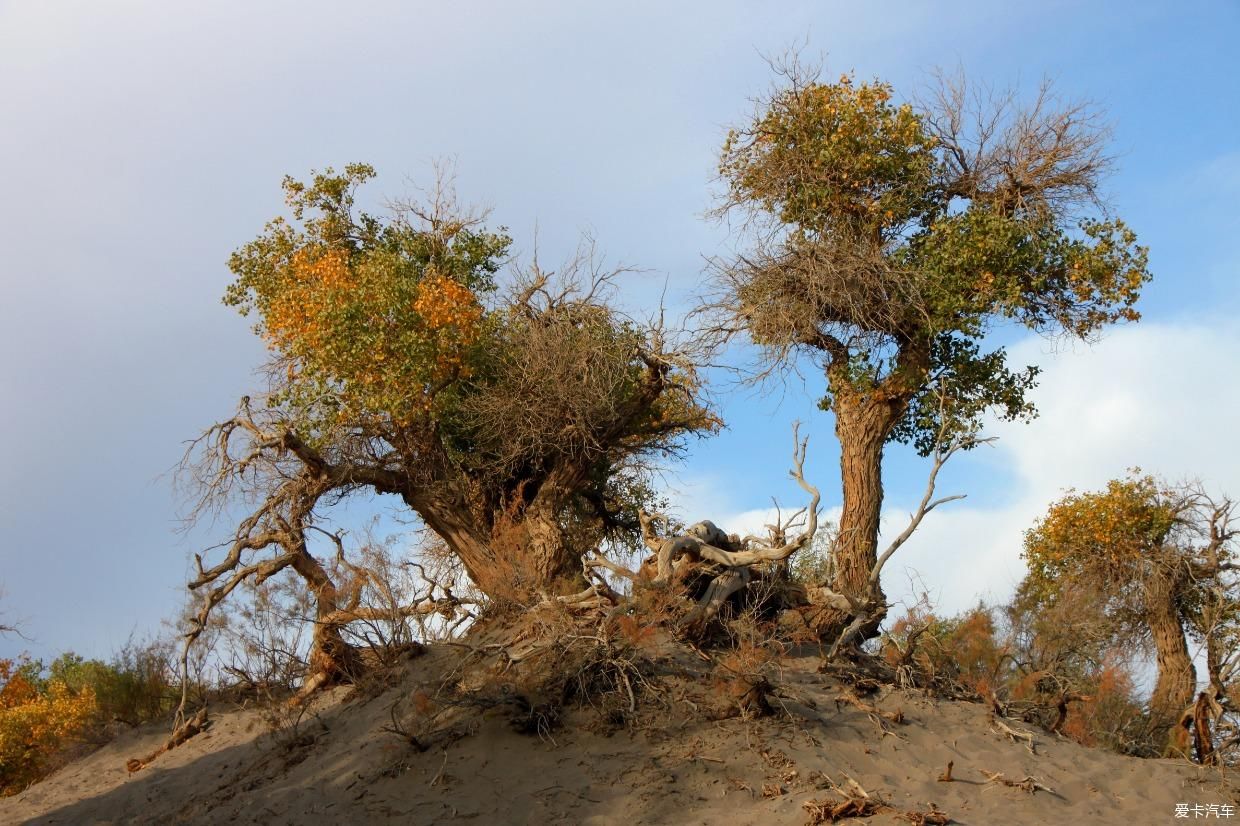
{"x":518,"y":558}
{"x":533,"y":556}
{"x":862,"y":429}
{"x":1177,"y":678}
{"x":862,"y":425}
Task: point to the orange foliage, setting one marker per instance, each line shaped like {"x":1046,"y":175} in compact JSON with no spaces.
{"x":1107,"y":530}
{"x":443,"y":302}
{"x":978,"y":653}
{"x":452,"y":312}
{"x":295,"y":317}
{"x":965,"y":648}
{"x":343,"y":320}
{"x":1109,"y":708}
{"x":36,"y":724}
{"x":1103,"y":707}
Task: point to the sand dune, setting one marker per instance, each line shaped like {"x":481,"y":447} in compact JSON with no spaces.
{"x":340,"y":767}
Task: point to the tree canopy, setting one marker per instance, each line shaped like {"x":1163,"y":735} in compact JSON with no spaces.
{"x":513,"y":416}
{"x":893,"y":236}
{"x":1143,"y":562}
{"x":889,"y":238}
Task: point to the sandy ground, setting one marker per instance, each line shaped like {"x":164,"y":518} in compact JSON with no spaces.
{"x":340,"y":767}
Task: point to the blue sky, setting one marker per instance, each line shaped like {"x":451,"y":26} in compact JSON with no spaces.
{"x":143,"y":141}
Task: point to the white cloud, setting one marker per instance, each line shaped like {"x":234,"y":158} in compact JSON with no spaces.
{"x":1158,"y":396}
{"x":1152,"y":395}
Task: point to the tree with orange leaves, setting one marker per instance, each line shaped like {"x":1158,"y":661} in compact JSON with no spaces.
{"x":1143,"y":561}
{"x":514,"y":423}
{"x":36,"y":721}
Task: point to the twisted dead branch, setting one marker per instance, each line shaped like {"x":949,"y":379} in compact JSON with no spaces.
{"x":704,"y":545}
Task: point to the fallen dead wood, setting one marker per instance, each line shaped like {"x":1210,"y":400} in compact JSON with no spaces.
{"x":854,"y":801}
{"x":191,"y":727}
{"x":1015,"y":735}
{"x":1027,"y":783}
{"x":731,"y":563}
{"x":829,"y":811}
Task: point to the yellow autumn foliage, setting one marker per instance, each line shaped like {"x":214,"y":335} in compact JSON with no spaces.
{"x":36,"y":724}
{"x":1107,"y":530}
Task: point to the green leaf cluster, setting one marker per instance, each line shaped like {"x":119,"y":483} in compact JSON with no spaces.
{"x":369,"y":319}
{"x":883,"y":244}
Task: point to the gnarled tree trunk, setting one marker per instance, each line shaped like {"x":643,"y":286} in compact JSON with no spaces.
{"x":524,"y":552}
{"x":1177,"y":677}
{"x":862,"y":424}
{"x":331,"y":660}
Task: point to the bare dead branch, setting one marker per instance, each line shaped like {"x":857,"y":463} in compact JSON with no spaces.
{"x":1027,"y":784}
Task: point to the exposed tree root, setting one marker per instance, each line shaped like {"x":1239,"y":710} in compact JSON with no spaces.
{"x":877,"y":715}
{"x":529,"y":667}
{"x":191,"y":727}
